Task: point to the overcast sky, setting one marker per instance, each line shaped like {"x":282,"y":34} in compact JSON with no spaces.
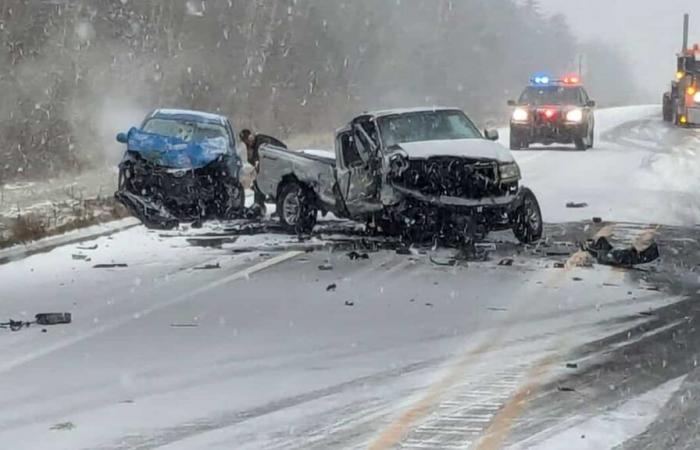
{"x":649,"y":31}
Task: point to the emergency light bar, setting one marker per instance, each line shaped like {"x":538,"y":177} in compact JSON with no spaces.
{"x":546,"y":80}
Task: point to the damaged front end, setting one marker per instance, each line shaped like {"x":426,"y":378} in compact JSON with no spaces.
{"x":164,"y":188}
{"x":458,"y":199}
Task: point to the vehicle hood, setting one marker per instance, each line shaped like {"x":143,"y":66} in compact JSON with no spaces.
{"x":464,"y":148}
{"x":175,"y":153}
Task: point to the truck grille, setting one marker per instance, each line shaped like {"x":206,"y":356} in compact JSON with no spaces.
{"x":453,"y":177}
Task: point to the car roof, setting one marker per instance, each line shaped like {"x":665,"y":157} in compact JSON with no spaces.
{"x":420,"y":109}
{"x":188,"y":114}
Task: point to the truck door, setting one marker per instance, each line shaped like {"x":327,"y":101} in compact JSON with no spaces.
{"x":356,"y":180}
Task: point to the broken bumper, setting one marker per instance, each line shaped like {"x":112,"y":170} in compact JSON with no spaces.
{"x":448,"y":201}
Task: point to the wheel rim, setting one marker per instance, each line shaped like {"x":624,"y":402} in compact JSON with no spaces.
{"x":291,"y":206}
{"x":531,"y":216}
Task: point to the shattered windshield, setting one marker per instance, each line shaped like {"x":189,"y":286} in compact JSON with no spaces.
{"x":426,"y":126}
{"x":550,"y":95}
{"x":188,"y":131}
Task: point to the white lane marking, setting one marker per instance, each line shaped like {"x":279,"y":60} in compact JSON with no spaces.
{"x":245,"y":273}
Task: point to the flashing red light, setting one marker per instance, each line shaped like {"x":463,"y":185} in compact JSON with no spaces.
{"x":549,"y":113}
{"x":572,"y":79}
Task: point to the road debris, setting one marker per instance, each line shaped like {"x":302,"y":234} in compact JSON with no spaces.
{"x":565,"y":389}
{"x":63,"y":426}
{"x":603,"y":251}
{"x":39,"y":319}
{"x":577,"y":205}
{"x":184,"y":325}
{"x":208,"y":267}
{"x":506,"y":262}
{"x":325,"y":267}
{"x":571,"y":366}
{"x":80,"y":257}
{"x":559,"y":265}
{"x":110,"y":266}
{"x":87,"y":247}
{"x":331,"y":287}
{"x":353,"y":255}
{"x":429,"y":305}
{"x":597,"y":220}
{"x":577,"y":279}
{"x":493,"y":308}
{"x":349,"y":303}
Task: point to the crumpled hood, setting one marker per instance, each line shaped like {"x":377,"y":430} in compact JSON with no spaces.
{"x":465,"y":148}
{"x":175,"y":153}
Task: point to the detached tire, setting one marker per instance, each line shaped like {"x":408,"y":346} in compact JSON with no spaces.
{"x":527,"y":218}
{"x":295,"y":207}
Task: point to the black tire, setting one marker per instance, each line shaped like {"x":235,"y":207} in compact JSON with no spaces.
{"x":591,"y":138}
{"x":295,"y":208}
{"x":515,"y":143}
{"x":527,"y":218}
{"x":580,"y":143}
{"x":231,"y":202}
{"x":667,"y":111}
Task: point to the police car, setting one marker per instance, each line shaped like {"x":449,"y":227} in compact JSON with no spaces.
{"x":552,"y":111}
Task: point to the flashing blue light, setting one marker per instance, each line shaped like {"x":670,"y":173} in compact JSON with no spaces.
{"x":541,"y":79}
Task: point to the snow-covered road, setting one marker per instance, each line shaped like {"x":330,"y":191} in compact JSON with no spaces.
{"x":210,"y":341}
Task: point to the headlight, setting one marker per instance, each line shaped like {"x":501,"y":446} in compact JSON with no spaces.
{"x":509,"y":172}
{"x":575,"y":115}
{"x":520,"y":115}
{"x":696,"y":97}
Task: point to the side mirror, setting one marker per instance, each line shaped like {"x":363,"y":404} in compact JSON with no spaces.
{"x":590,"y":103}
{"x":511,"y":102}
{"x":122,"y":138}
{"x":491,"y":134}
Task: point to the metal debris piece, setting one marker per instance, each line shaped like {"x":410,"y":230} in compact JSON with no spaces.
{"x":603,"y":251}
{"x":349,"y":303}
{"x":597,"y":220}
{"x":571,"y":366}
{"x":493,"y":308}
{"x":110,"y":266}
{"x":506,"y":262}
{"x":565,"y":389}
{"x":331,"y":287}
{"x":208,"y":267}
{"x":80,"y":257}
{"x":353,"y":255}
{"x":87,"y":247}
{"x":430,"y":305}
{"x":577,"y":205}
{"x":559,"y":265}
{"x":325,"y":266}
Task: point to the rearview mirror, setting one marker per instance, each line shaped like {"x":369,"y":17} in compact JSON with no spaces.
{"x":590,"y":103}
{"x":121,"y":138}
{"x":491,"y":134}
{"x":511,"y":102}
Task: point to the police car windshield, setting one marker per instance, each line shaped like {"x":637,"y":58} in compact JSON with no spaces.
{"x":186,"y":130}
{"x":426,"y":126}
{"x":551,"y":95}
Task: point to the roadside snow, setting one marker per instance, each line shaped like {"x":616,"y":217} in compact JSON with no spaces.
{"x":614,"y":427}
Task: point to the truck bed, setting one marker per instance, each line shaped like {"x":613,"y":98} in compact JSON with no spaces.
{"x":314,"y":168}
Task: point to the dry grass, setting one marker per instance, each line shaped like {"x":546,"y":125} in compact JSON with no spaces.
{"x":33,"y":226}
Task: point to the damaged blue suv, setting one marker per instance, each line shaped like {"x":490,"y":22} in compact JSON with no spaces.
{"x":181,"y":166}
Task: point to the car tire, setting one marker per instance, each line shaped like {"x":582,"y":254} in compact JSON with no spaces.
{"x":591,"y":138}
{"x":580,"y":143}
{"x":515,"y":143}
{"x":295,"y":208}
{"x":232,"y":201}
{"x":667,"y":112}
{"x":527,"y":221}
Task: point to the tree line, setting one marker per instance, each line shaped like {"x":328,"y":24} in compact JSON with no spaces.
{"x":72,"y":69}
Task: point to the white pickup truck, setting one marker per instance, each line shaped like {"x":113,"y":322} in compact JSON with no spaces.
{"x":424,"y":173}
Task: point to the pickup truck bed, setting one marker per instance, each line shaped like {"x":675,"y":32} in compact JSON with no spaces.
{"x":315,"y":168}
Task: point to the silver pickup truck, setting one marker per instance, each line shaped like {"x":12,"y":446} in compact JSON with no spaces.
{"x":425,"y":174}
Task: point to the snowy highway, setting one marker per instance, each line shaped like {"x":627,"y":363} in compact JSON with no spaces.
{"x":212,"y":339}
